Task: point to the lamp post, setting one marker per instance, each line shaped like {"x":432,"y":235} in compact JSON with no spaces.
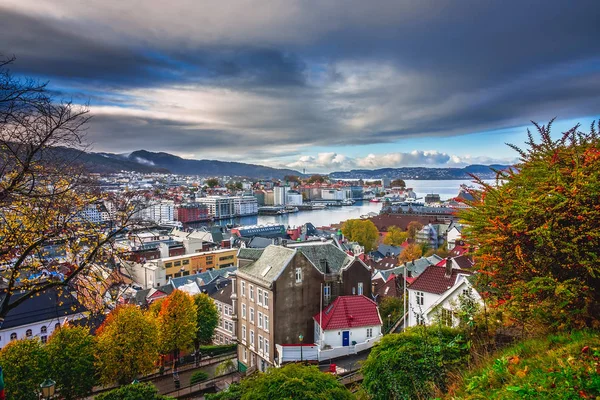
{"x":47,"y":388}
{"x":301,"y":338}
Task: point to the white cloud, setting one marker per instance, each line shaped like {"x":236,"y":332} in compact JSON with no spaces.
{"x":328,"y":162}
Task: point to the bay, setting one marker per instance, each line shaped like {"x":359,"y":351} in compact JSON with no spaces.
{"x":445,"y":188}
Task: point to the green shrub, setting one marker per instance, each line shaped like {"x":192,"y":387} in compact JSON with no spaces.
{"x":138,"y":391}
{"x":198,"y":377}
{"x":412,"y":364}
{"x":214,"y":350}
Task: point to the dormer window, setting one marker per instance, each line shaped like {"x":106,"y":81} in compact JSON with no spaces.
{"x":298,"y":275}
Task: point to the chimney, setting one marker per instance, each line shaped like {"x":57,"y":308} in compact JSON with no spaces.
{"x":448,"y":267}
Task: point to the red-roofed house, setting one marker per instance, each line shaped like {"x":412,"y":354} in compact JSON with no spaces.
{"x":347,"y":326}
{"x":436,"y":294}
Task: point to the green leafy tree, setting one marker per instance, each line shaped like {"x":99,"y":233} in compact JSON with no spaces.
{"x":410,"y":365}
{"x":536,"y":234}
{"x":411,"y":252}
{"x":136,"y":391}
{"x":391,"y":308}
{"x":71,"y":358}
{"x":441,"y":251}
{"x":413,"y":227}
{"x":212,"y":182}
{"x":395,"y":236}
{"x":126,"y":346}
{"x":177,"y":323}
{"x":25,"y":366}
{"x":362,"y":231}
{"x":207,"y":318}
{"x":293,"y":381}
{"x":398,"y":183}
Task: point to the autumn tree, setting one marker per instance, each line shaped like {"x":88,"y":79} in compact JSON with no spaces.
{"x":411,"y":252}
{"x":398,"y":183}
{"x":391,"y":308}
{"x":362,"y":231}
{"x":441,"y":251}
{"x":291,"y":178}
{"x":536,"y":232}
{"x":71,"y":360}
{"x":177,"y":323}
{"x":413,"y":227}
{"x":207,"y":318}
{"x":317,"y":179}
{"x":212,"y":182}
{"x":25,"y":366}
{"x":127,"y":345}
{"x":43,"y":192}
{"x":395,"y":236}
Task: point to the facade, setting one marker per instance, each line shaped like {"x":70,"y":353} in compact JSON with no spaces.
{"x":348,"y":325}
{"x":454,"y":235}
{"x":293,"y":198}
{"x":245,"y":205}
{"x":40,"y":316}
{"x":223,"y":207}
{"x":224,"y":330}
{"x":333,"y":194}
{"x":280,"y":195}
{"x":95,"y":213}
{"x":158,"y":212}
{"x":278,"y":290}
{"x":435,"y":295}
{"x":432,"y":234}
{"x":192,"y":212}
{"x":158,"y":272}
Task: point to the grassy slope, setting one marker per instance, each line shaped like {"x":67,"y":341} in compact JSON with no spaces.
{"x":555,"y":367}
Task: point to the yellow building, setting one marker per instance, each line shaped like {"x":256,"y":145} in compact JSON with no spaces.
{"x":190,"y":264}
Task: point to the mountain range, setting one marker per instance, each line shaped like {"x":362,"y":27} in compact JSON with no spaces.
{"x":147,"y":162}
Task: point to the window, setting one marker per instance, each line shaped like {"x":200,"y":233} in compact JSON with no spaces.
{"x":44,"y":339}
{"x":43,"y":329}
{"x":244,"y":311}
{"x":260,"y":296}
{"x":260,"y":319}
{"x":446,"y":317}
{"x":177,"y":274}
{"x":245,"y":355}
{"x":298,"y":275}
{"x":186,"y":273}
{"x":243,"y":289}
{"x":353,"y":290}
{"x":369,"y":332}
{"x":251,"y":314}
{"x":13,"y":336}
{"x":177,"y":264}
{"x":266,"y":299}
{"x":327,"y":292}
{"x":466,"y":292}
{"x":266,"y":323}
{"x":251,"y":338}
{"x":244,"y":333}
{"x":360,"y":288}
{"x":266,"y":348}
{"x":168,"y":265}
{"x":209,"y":260}
{"x":186,"y":262}
{"x":420,"y":298}
{"x":420,"y":319}
{"x":251,"y":291}
{"x":219,"y":307}
{"x":260,"y":343}
{"x":29,"y":333}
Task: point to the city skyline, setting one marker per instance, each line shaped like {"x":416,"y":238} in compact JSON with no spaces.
{"x":322,"y":86}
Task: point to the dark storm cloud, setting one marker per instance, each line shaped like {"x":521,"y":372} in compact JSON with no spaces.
{"x":334,"y":73}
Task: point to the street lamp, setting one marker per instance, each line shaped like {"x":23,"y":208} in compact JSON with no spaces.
{"x":47,"y":387}
{"x":301,"y":338}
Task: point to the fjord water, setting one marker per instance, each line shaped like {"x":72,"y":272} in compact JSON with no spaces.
{"x":334,"y":215}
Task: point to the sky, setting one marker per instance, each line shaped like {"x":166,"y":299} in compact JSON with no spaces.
{"x":321,"y":85}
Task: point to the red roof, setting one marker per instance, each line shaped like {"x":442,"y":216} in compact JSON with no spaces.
{"x":349,"y":312}
{"x":434,"y":279}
